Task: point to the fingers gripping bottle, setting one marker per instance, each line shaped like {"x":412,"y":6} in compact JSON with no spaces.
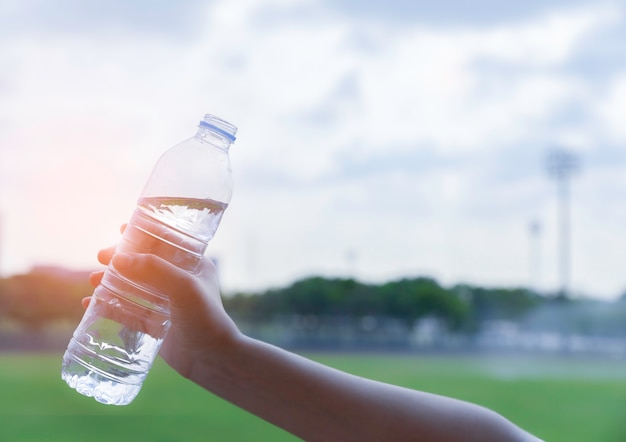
{"x":177,"y":214}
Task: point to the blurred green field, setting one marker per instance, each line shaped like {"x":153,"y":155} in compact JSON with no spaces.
{"x":558,"y":399}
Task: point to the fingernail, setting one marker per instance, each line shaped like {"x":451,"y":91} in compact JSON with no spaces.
{"x":122,"y":260}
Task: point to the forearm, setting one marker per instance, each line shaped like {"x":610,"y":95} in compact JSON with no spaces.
{"x":316,"y":402}
{"x":280,"y":387}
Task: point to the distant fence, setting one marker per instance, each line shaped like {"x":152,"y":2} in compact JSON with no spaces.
{"x":34,"y":340}
{"x":369,"y":334}
{"x":376,"y":334}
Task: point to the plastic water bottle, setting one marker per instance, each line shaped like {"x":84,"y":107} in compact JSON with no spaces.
{"x":177,"y":214}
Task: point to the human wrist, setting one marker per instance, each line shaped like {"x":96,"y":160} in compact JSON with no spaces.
{"x":216,"y":358}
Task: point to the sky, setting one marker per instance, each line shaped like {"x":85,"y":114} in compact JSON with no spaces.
{"x":377,"y":140}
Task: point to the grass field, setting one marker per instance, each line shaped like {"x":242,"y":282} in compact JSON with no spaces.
{"x":558,"y":399}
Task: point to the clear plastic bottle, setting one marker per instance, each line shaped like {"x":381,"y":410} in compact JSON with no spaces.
{"x":177,"y":214}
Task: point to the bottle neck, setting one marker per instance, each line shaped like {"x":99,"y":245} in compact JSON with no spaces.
{"x":217,"y":131}
{"x":215,"y":139}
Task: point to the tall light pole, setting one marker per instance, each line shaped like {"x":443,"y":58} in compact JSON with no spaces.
{"x":562,"y":164}
{"x":534,"y":256}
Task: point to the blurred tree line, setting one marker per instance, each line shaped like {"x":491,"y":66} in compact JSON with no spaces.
{"x":48,"y":295}
{"x":460,"y":308}
{"x":43,"y":296}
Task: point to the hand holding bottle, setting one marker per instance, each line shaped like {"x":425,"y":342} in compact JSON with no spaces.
{"x":200,"y":326}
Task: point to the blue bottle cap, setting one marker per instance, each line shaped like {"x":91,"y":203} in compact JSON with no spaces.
{"x":220,"y":126}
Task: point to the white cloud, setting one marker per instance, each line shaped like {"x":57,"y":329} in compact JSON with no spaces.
{"x":547,"y":41}
{"x":611,"y":108}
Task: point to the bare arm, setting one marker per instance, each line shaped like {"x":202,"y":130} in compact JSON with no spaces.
{"x":307,"y":399}
{"x":316,"y":402}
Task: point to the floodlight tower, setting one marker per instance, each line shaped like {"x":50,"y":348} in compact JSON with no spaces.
{"x":535,"y":255}
{"x":562,"y":164}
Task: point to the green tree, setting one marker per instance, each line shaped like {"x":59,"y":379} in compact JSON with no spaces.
{"x":43,"y":296}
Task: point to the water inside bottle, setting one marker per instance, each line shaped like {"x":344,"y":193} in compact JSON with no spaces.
{"x":195,"y":217}
{"x":121,"y":332}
